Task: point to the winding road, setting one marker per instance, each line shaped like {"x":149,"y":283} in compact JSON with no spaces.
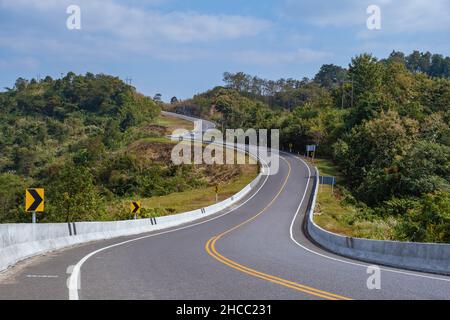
{"x":253,"y":250}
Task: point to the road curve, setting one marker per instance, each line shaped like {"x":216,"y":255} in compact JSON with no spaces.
{"x":245,"y":252}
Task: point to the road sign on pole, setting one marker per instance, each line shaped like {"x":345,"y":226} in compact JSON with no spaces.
{"x":328,"y":180}
{"x":135,"y":208}
{"x":311,"y":148}
{"x":34,"y":201}
{"x":216,"y":189}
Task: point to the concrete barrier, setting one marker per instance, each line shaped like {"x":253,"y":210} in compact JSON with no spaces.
{"x":21,"y":241}
{"x":426,"y":257}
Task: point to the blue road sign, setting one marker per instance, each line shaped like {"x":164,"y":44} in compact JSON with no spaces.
{"x":327,"y":180}
{"x":311,"y":147}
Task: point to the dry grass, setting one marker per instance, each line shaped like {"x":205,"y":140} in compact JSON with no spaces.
{"x":170,"y":124}
{"x":201,"y":197}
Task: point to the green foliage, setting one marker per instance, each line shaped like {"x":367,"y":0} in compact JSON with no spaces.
{"x":428,"y":220}
{"x":330,"y":76}
{"x":384,"y":122}
{"x":72,"y":195}
{"x":46,"y":125}
{"x":12,"y":197}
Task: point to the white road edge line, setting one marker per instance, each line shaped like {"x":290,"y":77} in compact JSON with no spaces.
{"x":74,"y":279}
{"x":340,"y":260}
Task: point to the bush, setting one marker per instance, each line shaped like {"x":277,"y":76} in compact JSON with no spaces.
{"x":429,"y":221}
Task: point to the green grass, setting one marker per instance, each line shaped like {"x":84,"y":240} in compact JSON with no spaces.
{"x":327,"y":168}
{"x":199,"y":198}
{"x":332,"y":215}
{"x":330,"y":212}
{"x":196,"y":198}
{"x":172,"y":123}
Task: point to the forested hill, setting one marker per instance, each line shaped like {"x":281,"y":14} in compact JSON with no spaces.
{"x":53,"y":134}
{"x":41,"y":120}
{"x":384,"y":122}
{"x":95,"y":144}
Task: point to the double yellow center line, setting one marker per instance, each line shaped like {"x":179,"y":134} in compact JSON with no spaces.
{"x":210,"y":248}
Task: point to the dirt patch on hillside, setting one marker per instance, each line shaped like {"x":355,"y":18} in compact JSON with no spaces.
{"x":158,"y":152}
{"x":148,"y":152}
{"x":154,"y":128}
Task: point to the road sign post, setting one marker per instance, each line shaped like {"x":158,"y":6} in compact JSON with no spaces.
{"x":311,"y":148}
{"x":332,"y":185}
{"x":135,"y":208}
{"x":34,"y":201}
{"x":217,"y":193}
{"x":328,"y":180}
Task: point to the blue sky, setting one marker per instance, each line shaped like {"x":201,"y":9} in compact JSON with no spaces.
{"x":182,"y":47}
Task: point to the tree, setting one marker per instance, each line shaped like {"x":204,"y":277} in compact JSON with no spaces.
{"x":72,"y":195}
{"x":21,"y":84}
{"x":440,"y":66}
{"x":238,"y":81}
{"x":423,"y":169}
{"x":397,"y":56}
{"x":366,"y":74}
{"x":330,"y":75}
{"x":427,"y":220}
{"x":173,"y":100}
{"x":157,"y":97}
{"x":370,"y":155}
{"x":413,"y":61}
{"x":398,"y":86}
{"x":11,"y":197}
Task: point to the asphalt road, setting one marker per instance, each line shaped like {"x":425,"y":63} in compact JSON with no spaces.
{"x":245,"y":252}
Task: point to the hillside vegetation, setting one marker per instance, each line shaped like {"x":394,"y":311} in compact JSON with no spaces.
{"x":384,"y":123}
{"x":94,"y":144}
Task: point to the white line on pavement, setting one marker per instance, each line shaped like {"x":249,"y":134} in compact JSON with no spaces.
{"x":344,"y":261}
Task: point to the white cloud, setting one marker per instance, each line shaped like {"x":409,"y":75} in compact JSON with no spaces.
{"x":117,"y":19}
{"x":17,"y":63}
{"x":397,"y":16}
{"x":277,"y":57}
{"x":114,"y":31}
{"x":417,"y":15}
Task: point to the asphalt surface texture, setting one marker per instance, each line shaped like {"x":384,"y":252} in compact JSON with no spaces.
{"x":254,"y":250}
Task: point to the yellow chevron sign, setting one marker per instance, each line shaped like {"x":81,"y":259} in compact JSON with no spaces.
{"x":135,"y":207}
{"x":34,"y":200}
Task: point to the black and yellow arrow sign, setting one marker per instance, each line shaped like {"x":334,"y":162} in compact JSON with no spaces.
{"x":135,"y":207}
{"x":34,"y":200}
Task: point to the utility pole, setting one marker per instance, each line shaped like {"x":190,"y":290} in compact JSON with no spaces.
{"x":344,"y":93}
{"x":352,"y":90}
